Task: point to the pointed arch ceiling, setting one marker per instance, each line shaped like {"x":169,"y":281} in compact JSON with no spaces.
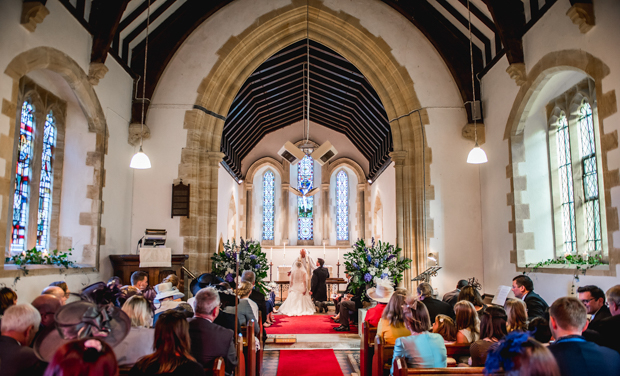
{"x":341,"y":99}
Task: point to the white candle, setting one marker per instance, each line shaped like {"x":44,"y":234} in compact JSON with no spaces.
{"x":338,"y":254}
{"x":271,"y":254}
{"x":585,"y":257}
{"x":323,"y":250}
{"x":285,"y":251}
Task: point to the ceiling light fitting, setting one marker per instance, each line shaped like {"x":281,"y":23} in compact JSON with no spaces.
{"x":140,"y":160}
{"x":476,"y":155}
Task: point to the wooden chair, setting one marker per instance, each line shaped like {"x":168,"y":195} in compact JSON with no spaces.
{"x":367,"y":348}
{"x":219,"y":369}
{"x":381,"y":358}
{"x":400,"y":369}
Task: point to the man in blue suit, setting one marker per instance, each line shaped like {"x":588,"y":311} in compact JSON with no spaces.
{"x":575,"y":355}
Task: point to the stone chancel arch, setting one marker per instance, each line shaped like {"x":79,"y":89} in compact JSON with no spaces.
{"x":241,"y":56}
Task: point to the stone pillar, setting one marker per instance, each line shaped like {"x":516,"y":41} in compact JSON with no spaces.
{"x":207,"y":207}
{"x":361,"y":211}
{"x":325,"y":210}
{"x":284,"y":212}
{"x":249,"y":210}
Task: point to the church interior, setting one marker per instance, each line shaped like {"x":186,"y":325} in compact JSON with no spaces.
{"x":312,"y":124}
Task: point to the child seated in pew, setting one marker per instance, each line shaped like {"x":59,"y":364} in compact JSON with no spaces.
{"x":392,"y":324}
{"x":421,"y":349}
{"x":445,"y":326}
{"x":492,"y":330}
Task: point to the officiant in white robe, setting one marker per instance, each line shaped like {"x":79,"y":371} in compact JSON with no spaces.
{"x":308,"y":263}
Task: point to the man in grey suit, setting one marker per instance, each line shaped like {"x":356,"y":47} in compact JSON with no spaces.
{"x":209,"y":340}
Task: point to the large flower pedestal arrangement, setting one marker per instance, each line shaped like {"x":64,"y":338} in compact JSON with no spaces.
{"x":251,"y":258}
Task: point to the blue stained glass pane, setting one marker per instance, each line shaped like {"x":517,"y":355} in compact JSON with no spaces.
{"x":342,"y":206}
{"x":565,"y":173}
{"x":587,"y":150}
{"x":268,"y":205}
{"x":45,"y":183}
{"x":305,"y":205}
{"x":22,"y":178}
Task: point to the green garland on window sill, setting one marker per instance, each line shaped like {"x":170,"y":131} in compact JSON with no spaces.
{"x":582,"y":264}
{"x":36,"y":257}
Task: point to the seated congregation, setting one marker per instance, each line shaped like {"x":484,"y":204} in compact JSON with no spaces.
{"x":111,"y":329}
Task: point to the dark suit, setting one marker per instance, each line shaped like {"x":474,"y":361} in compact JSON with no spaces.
{"x":350,"y":305}
{"x":452,"y":297}
{"x":436,"y":307}
{"x":609,"y":330}
{"x":536,"y":306}
{"x":259,"y":298}
{"x":210,"y":341}
{"x":17,"y":360}
{"x":319,"y":289}
{"x":578,"y":357}
{"x":601,"y":314}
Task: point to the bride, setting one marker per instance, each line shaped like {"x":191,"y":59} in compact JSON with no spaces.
{"x":298,"y":302}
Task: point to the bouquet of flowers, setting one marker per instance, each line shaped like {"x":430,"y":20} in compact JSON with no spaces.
{"x":250,"y":258}
{"x":377,"y":260}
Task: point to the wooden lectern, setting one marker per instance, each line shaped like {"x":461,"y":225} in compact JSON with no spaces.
{"x":125,"y":265}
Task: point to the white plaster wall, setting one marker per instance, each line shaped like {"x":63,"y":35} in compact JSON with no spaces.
{"x":354,"y":230}
{"x":61,"y":31}
{"x":385,"y":187}
{"x":257,"y":206}
{"x":553,"y":32}
{"x":227,"y":187}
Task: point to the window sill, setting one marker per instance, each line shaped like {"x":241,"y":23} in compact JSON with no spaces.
{"x":599,"y":270}
{"x":12,"y":270}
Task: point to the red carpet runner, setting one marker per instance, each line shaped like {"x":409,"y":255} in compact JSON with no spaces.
{"x":315,"y":324}
{"x":308,"y":363}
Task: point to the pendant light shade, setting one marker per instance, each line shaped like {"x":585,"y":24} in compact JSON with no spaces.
{"x":141,"y":161}
{"x":477,"y":155}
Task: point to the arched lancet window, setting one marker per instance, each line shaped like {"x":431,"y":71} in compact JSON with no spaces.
{"x":45,"y":183}
{"x":305,"y":178}
{"x":342,"y":206}
{"x":587,"y":150}
{"x":268,"y":205}
{"x":23,"y":172}
{"x":565,"y":172}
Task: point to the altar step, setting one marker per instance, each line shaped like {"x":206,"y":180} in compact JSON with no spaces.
{"x":336,"y":341}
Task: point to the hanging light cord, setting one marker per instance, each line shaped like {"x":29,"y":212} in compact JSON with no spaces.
{"x":146,"y":54}
{"x":473,"y":86}
{"x":308,"y":67}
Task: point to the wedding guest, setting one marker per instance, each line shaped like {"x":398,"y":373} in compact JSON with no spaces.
{"x":210,"y":341}
{"x":492,"y":330}
{"x":471,"y":294}
{"x":517,"y":316}
{"x":55,"y":291}
{"x":63,"y":286}
{"x":139,"y":340}
{"x":173,"y":279}
{"x":519,"y":355}
{"x":594,"y":299}
{"x":434,"y":306}
{"x":523,"y":288}
{"x":392,"y":323}
{"x":575,"y":355}
{"x":539,"y":329}
{"x":340,"y":297}
{"x":247,"y":310}
{"x":20,"y":323}
{"x":421,"y":349}
{"x":380,"y":294}
{"x":172,"y":350}
{"x":226,"y":316}
{"x":350,"y":302}
{"x":168,"y":298}
{"x":609,"y":328}
{"x":467,"y":322}
{"x":8,"y":298}
{"x":47,"y":305}
{"x":255,"y":295}
{"x":270,"y":304}
{"x":84,"y":357}
{"x":115,"y":281}
{"x":445,"y":327}
{"x":139,"y":280}
{"x":452,"y":296}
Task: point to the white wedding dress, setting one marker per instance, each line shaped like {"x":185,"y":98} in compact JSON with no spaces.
{"x":298,"y":302}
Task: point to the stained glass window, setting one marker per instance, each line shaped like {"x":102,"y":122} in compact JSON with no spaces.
{"x":342,"y":206}
{"x":565,"y":172}
{"x":305,"y":177}
{"x":45,"y":183}
{"x":587,"y":148}
{"x":22,"y":178}
{"x":268,"y":205}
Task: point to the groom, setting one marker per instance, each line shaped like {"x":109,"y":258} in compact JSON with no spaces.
{"x":319,"y":290}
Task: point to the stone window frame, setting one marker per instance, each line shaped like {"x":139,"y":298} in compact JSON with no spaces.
{"x":335,"y":205}
{"x":43,"y":102}
{"x":569,"y":104}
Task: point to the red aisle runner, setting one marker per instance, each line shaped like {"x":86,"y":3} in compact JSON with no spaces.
{"x":308,"y":363}
{"x":315,"y":324}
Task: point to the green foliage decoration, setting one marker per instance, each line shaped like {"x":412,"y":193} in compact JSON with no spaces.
{"x":582,"y":264}
{"x":251,"y":257}
{"x":35,"y":257}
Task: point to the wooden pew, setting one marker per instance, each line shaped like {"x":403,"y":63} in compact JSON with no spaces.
{"x":455,"y":351}
{"x":219,"y":369}
{"x":249,"y":342}
{"x":367,"y":348}
{"x":240,"y":369}
{"x":259,"y":356}
{"x":400,"y":369}
{"x":381,"y":358}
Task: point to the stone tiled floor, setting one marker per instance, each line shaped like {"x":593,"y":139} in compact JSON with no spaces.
{"x":271,"y":357}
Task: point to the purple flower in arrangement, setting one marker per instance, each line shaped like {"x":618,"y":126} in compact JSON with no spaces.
{"x":377,"y":263}
{"x":384,"y":275}
{"x":367,"y":277}
{"x":369,"y":258}
{"x":356,"y":266}
{"x":391,"y":257}
{"x":253,"y":257}
{"x":229,"y":278}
